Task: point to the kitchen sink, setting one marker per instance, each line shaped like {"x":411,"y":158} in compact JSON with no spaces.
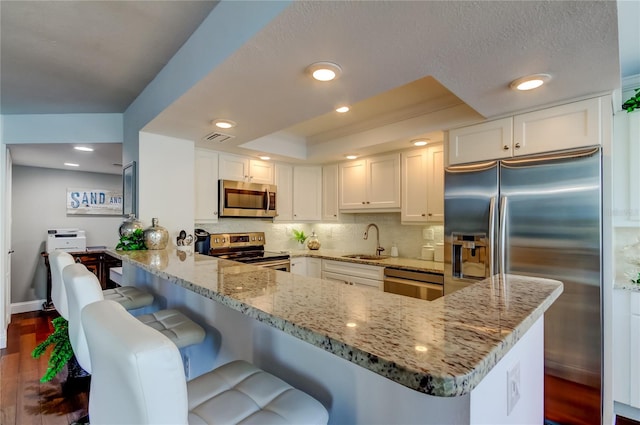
{"x":366,"y":256}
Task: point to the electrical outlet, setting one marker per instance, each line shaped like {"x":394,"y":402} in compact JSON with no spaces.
{"x":427,"y":233}
{"x":513,"y":387}
{"x":187,"y":366}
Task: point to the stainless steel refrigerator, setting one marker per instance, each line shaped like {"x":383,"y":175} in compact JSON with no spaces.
{"x":536,"y":216}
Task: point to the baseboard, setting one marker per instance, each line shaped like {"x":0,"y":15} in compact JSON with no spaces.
{"x":26,"y":306}
{"x":3,"y":339}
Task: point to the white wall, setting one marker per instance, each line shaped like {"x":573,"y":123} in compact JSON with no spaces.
{"x":165,"y":179}
{"x":39,"y":204}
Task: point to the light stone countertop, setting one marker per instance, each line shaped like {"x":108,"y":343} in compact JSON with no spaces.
{"x":461,"y":336}
{"x":399,"y":262}
{"x":627,"y":286}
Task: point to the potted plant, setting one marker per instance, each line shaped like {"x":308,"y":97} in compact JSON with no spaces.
{"x":62,"y":351}
{"x":132,"y":241}
{"x":300,"y":237}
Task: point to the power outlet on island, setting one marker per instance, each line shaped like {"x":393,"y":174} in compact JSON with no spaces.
{"x":513,"y":387}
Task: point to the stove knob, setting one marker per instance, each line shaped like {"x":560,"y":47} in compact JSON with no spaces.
{"x":259,"y":238}
{"x":215,"y":240}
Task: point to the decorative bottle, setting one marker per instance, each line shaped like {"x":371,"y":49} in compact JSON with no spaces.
{"x":156,"y":236}
{"x":129,"y":225}
{"x":312,"y":241}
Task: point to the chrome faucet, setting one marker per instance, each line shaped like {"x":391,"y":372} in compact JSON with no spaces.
{"x":379,"y":249}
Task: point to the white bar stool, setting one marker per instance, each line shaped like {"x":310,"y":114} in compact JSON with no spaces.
{"x":137,"y":378}
{"x":129,"y":296}
{"x":82,"y":288}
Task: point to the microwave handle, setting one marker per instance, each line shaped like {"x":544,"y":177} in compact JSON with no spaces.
{"x":266,"y":192}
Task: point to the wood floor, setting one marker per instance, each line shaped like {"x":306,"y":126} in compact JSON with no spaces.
{"x":25,"y":401}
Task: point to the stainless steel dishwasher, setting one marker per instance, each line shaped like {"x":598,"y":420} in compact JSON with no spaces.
{"x":416,"y":284}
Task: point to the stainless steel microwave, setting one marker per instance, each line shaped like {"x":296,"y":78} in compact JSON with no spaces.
{"x":243,"y":199}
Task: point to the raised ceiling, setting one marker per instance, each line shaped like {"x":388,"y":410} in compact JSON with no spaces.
{"x":410,"y":68}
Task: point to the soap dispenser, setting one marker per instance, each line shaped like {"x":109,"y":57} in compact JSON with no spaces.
{"x":394,"y":250}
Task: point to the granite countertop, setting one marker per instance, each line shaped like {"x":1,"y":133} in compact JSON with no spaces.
{"x":626,"y":286}
{"x":443,"y":347}
{"x":398,"y":262}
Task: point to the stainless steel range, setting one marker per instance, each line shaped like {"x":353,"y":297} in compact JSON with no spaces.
{"x":247,"y":248}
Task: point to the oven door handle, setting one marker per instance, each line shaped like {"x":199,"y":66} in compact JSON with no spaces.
{"x":271,"y":264}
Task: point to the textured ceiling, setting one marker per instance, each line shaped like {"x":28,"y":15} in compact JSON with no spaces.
{"x":455,"y":58}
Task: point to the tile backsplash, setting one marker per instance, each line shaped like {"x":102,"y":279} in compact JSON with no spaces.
{"x":345,"y":235}
{"x":625,"y":237}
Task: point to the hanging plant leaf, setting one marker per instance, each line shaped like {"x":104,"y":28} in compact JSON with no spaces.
{"x":633,"y":103}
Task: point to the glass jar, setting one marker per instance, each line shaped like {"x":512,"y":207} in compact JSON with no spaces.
{"x":313,"y":242}
{"x":156,"y":236}
{"x":129,"y":225}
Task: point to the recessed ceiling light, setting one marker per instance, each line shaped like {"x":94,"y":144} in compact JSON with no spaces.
{"x":264,"y":157}
{"x":421,"y":348}
{"x":351,"y":156}
{"x":324,"y":71}
{"x":351,"y":325}
{"x":71,"y":164}
{"x":83,"y":149}
{"x":529,"y":82}
{"x":342,"y":109}
{"x":224,"y":123}
{"x":420,"y":142}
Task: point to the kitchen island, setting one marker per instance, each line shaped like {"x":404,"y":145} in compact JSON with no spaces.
{"x":368,"y":356}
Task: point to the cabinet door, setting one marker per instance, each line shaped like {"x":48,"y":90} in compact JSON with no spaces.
{"x":383,"y":181}
{"x":562,"y":127}
{"x":314,"y":267}
{"x":634,"y":367}
{"x":206,"y":186}
{"x":352,"y":182}
{"x":233,"y":167}
{"x":261,"y":171}
{"x":284,"y":195}
{"x":330,"y":192}
{"x":307,"y":192}
{"x":435,"y":183}
{"x":299,"y":266}
{"x":481,"y":142}
{"x":414,"y":186}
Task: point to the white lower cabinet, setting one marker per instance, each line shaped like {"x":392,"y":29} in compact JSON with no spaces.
{"x":362,"y":275}
{"x":314,"y":267}
{"x":634,"y":351}
{"x":306,"y":266}
{"x":298,"y":265}
{"x":626,"y":347}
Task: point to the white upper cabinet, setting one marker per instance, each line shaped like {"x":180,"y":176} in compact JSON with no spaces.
{"x":370,"y":183}
{"x":206,"y":186}
{"x":239,"y":168}
{"x":284,"y":194}
{"x":481,"y":142}
{"x":562,"y":127}
{"x":307,"y":193}
{"x":626,"y":173}
{"x":423,"y":185}
{"x":330,"y":192}
{"x":568,"y":126}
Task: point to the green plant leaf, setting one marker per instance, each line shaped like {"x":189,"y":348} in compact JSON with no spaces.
{"x":132,"y":242}
{"x":62,"y":350}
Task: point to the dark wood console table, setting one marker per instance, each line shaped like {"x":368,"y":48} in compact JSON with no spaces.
{"x":98,"y":262}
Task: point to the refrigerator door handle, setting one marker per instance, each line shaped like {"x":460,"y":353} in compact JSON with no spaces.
{"x":492,"y":232}
{"x":503,"y":234}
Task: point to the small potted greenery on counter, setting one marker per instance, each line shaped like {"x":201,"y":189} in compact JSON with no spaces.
{"x":132,"y":242}
{"x":300,"y":237}
{"x":633,"y":103}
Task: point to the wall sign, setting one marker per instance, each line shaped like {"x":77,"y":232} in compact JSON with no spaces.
{"x":94,"y":202}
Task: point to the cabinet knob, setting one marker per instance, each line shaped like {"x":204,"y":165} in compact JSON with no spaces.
{"x":368,"y":202}
{"x":423,"y":215}
{"x":430,"y":214}
{"x":335,"y":215}
{"x":517,"y":145}
{"x":215,"y":213}
{"x":505,"y":147}
{"x":363,"y":202}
